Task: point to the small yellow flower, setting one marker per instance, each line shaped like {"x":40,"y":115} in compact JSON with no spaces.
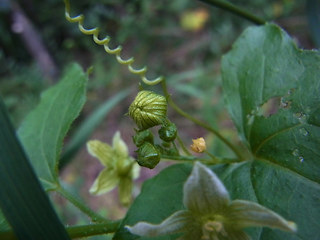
{"x":120,"y":169}
{"x":199,"y":145}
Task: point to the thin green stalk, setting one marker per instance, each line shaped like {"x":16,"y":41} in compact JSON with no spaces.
{"x":182,"y":158}
{"x":184,"y":149}
{"x":175,"y":147}
{"x":235,"y":10}
{"x":198,"y":122}
{"x":191,"y":159}
{"x":93,"y":229}
{"x":213,"y":158}
{"x":78,"y":231}
{"x":82,"y":207}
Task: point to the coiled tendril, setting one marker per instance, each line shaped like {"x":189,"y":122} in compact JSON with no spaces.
{"x":105,"y":41}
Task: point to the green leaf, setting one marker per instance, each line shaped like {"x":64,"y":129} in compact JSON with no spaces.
{"x":265,"y":66}
{"x":22,"y":200}
{"x":44,"y":129}
{"x":87,"y":127}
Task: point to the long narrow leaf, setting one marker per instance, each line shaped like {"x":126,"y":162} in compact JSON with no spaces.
{"x":22,"y":199}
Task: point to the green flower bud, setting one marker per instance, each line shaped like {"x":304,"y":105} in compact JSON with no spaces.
{"x":148,"y":156}
{"x":148,"y":109}
{"x":143,"y":136}
{"x":168,"y":132}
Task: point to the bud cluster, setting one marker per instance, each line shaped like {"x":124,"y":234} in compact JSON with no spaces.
{"x":148,"y":110}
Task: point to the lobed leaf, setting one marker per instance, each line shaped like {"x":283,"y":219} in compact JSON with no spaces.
{"x":263,"y":67}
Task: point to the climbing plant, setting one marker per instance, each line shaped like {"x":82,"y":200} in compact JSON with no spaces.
{"x":268,"y":189}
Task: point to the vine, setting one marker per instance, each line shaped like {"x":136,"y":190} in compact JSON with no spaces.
{"x":105,"y":43}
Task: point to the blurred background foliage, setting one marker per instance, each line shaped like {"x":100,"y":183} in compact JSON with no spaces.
{"x":180,"y":39}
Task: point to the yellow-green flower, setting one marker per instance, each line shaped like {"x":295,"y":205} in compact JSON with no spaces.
{"x":120,"y":169}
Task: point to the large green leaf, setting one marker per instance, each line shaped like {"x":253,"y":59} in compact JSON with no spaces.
{"x":264,"y":64}
{"x":44,"y":129}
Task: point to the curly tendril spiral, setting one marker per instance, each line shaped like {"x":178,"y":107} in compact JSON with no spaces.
{"x":105,"y":41}
{"x":148,"y":109}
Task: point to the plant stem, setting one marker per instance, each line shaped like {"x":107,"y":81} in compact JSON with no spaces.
{"x":182,"y":158}
{"x":184,"y":149}
{"x":213,"y":158}
{"x":93,"y":229}
{"x":192,"y":159}
{"x":235,"y":10}
{"x":198,"y":122}
{"x":82,"y":207}
{"x":77,"y":231}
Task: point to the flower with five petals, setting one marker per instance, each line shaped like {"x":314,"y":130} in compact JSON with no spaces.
{"x":120,"y":169}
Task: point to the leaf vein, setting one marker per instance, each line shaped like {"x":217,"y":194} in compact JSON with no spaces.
{"x":292,"y":171}
{"x":257,"y":149}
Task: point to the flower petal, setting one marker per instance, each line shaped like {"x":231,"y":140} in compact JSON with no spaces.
{"x":176,"y":223}
{"x":105,"y":182}
{"x":119,"y":146}
{"x":243,"y":214}
{"x":204,"y":193}
{"x":102,"y":151}
{"x":125,"y":190}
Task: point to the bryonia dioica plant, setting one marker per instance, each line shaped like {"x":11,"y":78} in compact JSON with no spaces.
{"x":268,"y":190}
